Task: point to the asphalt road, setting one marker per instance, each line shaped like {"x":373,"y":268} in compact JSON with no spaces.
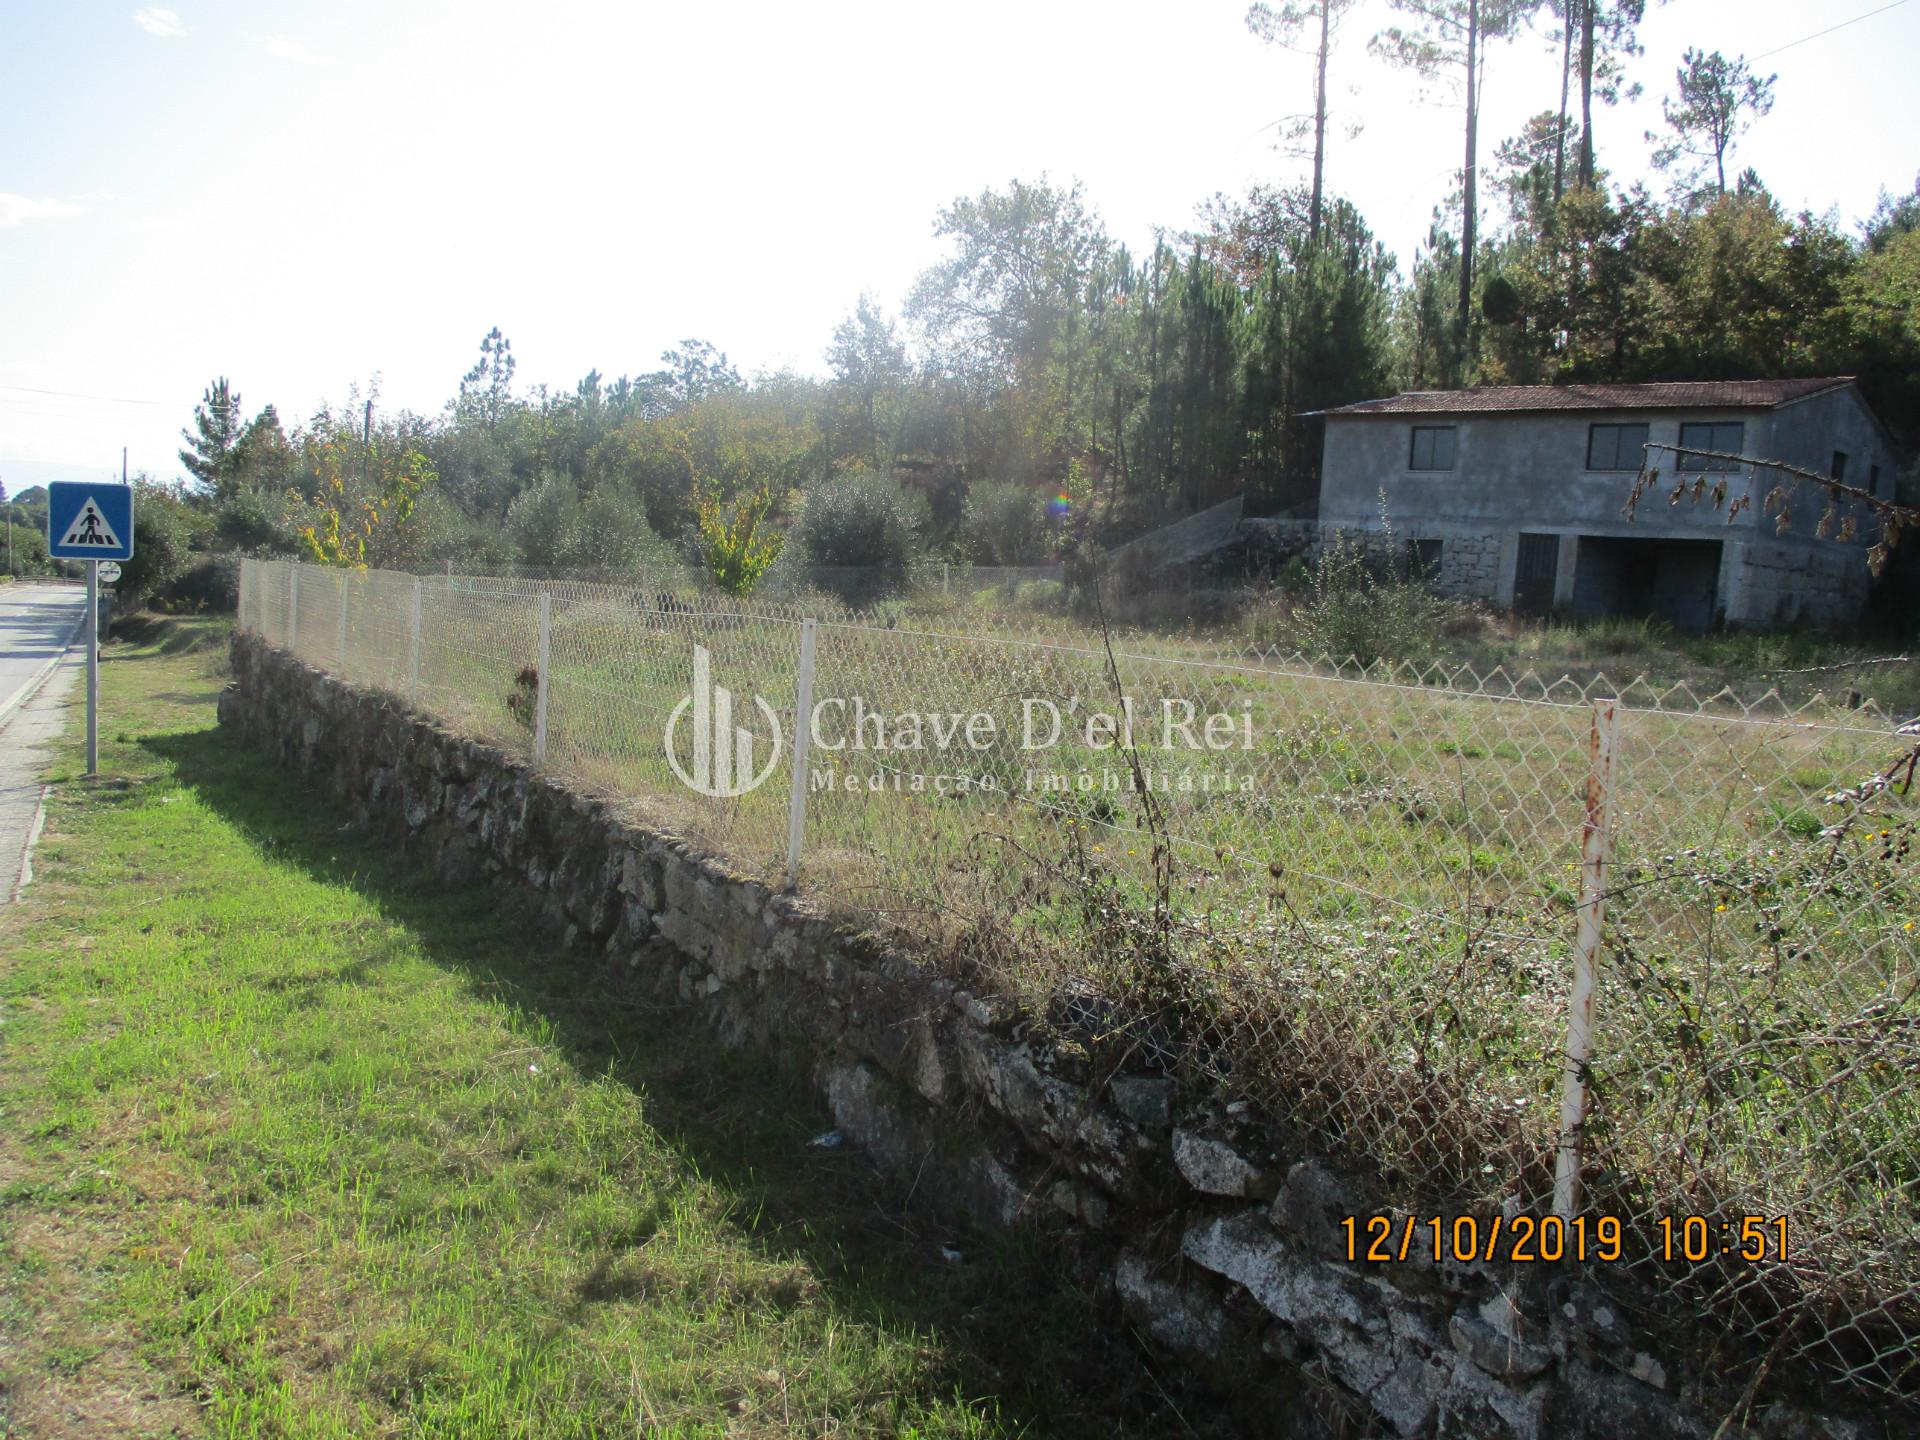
{"x":36,"y":622}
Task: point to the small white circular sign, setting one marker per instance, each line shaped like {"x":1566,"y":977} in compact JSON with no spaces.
{"x":109,"y":571}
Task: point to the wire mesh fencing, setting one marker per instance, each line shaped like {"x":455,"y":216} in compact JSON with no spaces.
{"x":1381,"y":902}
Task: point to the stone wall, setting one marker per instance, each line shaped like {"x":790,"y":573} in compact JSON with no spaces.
{"x":1786,"y":582}
{"x":1469,"y":566}
{"x":1469,"y":561}
{"x":1217,"y":1236}
{"x":1264,"y":544}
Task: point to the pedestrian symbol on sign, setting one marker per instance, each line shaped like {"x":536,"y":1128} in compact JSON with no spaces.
{"x":90,"y":528}
{"x":88,"y":521}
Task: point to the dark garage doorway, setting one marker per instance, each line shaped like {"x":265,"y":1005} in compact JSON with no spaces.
{"x":1535,"y":574}
{"x":1677,"y":581}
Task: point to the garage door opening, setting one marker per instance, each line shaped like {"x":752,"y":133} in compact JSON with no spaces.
{"x":1677,"y":581}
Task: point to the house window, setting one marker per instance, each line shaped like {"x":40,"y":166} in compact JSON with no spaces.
{"x":1728,"y":437}
{"x":1839,"y":464}
{"x":1615,"y":447}
{"x":1432,"y":448}
{"x":1423,"y":561}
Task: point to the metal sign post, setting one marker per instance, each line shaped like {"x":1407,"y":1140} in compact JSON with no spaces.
{"x":90,"y":522}
{"x":93,"y":667}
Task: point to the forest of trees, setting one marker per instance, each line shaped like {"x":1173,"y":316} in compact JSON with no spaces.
{"x":1045,"y":386}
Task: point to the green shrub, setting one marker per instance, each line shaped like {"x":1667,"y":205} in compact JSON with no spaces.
{"x":737,"y":543}
{"x":166,"y":531}
{"x":1007,"y":525}
{"x":254,"y":522}
{"x":554,"y":528}
{"x":448,"y":534}
{"x":1357,"y":608}
{"x":28,"y":552}
{"x":861,"y":538}
{"x":208,"y":584}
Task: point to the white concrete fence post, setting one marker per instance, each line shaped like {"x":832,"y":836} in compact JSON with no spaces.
{"x":340,"y":627}
{"x":293,"y":607}
{"x":545,"y":682}
{"x":413,"y":647}
{"x":1596,"y":854}
{"x":802,"y":735}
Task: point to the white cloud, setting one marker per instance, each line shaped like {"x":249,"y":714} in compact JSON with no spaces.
{"x":18,"y":209}
{"x":158,"y":20}
{"x":159,"y":225}
{"x":285,"y":47}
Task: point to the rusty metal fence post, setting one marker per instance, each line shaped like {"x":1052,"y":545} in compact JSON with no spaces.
{"x":1596,"y":845}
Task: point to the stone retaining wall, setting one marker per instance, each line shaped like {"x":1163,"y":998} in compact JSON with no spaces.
{"x":1787,"y":582}
{"x":1219,"y":1239}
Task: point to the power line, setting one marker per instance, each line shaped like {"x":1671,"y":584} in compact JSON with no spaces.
{"x":1830,"y":29}
{"x":108,"y":399}
{"x":49,"y":406}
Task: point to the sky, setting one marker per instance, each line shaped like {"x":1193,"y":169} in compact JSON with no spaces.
{"x":308,"y":197}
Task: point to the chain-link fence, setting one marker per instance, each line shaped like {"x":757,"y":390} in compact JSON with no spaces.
{"x":1636,"y":959}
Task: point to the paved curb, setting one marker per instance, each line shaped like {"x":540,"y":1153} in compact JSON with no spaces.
{"x":25,"y":877}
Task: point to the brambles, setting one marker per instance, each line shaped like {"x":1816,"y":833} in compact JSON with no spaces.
{"x":1358,"y":607}
{"x":523,"y":697}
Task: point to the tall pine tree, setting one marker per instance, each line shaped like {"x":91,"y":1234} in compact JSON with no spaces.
{"x":216,"y":430}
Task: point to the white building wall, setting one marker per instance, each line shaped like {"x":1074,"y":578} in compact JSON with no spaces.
{"x":1526,"y":473}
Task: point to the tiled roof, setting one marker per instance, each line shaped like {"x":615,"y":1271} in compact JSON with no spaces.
{"x":1682,"y":395}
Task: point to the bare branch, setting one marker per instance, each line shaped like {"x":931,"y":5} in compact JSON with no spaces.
{"x":1710,"y":483}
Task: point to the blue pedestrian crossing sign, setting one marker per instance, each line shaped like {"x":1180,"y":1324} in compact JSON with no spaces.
{"x":88,"y":521}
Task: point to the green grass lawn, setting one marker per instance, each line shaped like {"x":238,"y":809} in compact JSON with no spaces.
{"x":296,"y":1142}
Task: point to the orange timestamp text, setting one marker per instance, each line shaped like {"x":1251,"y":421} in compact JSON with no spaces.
{"x":1550,"y":1239}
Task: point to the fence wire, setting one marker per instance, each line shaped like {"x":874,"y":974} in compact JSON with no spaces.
{"x":1347,"y":893}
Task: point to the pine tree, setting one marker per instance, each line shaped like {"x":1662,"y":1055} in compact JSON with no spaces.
{"x":1445,"y":36}
{"x":216,"y":430}
{"x":1286,"y":25}
{"x":1718,"y":101}
{"x":487,"y":389}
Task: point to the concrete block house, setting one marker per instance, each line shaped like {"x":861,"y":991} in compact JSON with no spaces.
{"x":1514,"y":494}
